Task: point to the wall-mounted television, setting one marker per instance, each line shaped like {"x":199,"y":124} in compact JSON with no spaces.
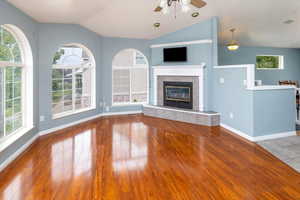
{"x":178,"y":54}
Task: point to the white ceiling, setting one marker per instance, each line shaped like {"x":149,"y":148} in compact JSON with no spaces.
{"x":258,"y":22}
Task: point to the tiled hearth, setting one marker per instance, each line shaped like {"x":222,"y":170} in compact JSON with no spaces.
{"x":191,"y":81}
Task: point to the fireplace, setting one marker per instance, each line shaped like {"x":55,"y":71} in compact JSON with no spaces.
{"x":178,"y":94}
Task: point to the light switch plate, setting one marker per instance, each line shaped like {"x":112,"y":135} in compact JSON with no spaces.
{"x":222,"y":80}
{"x":42,"y":118}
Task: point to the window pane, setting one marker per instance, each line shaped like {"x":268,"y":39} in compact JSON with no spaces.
{"x":267,"y":62}
{"x":5,"y":54}
{"x":124,"y":58}
{"x":130,"y":81}
{"x":57,"y":108}
{"x":17,"y":105}
{"x":57,"y":85}
{"x":78,"y":103}
{"x":74,"y":81}
{"x":9,"y":48}
{"x":9,"y":127}
{"x":17,"y":89}
{"x":9,"y":74}
{"x":57,"y":73}
{"x":18,"y":122}
{"x":57,"y":96}
{"x":78,"y":93}
{"x":78,"y":83}
{"x":140,"y":59}
{"x":68,"y":84}
{"x":17,"y":74}
{"x":8,"y":108}
{"x":86,"y":101}
{"x":9,"y":91}
{"x":139,"y":85}
{"x":67,"y":73}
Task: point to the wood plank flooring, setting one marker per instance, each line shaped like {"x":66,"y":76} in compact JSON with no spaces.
{"x":137,"y":157}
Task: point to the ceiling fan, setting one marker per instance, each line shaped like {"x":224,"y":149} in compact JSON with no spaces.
{"x":165,"y":5}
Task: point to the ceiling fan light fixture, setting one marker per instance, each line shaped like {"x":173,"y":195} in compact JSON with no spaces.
{"x":233,"y":45}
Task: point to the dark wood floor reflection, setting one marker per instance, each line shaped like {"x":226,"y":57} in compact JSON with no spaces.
{"x":137,"y":158}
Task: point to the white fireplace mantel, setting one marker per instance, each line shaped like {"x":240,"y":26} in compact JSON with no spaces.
{"x":181,"y":70}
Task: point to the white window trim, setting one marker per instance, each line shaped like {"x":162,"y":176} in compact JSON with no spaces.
{"x":130,"y":67}
{"x":27,"y":86}
{"x":281,"y":63}
{"x":93,"y":83}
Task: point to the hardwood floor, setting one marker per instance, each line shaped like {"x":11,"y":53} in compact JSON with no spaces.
{"x":137,"y":158}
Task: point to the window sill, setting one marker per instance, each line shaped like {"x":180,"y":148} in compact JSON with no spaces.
{"x":66,"y":114}
{"x":9,"y":140}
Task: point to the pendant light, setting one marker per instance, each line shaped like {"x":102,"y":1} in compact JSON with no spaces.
{"x":233,"y":45}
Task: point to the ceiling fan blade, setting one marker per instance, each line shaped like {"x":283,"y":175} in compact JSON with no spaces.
{"x":158,"y":9}
{"x":198,"y":3}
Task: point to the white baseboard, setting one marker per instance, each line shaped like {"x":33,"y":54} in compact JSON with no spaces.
{"x":238,"y":132}
{"x":259,"y":138}
{"x":51,"y":130}
{"x":11,"y":158}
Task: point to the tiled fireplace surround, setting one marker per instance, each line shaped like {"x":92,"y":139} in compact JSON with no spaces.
{"x":193,"y":79}
{"x":182,"y":73}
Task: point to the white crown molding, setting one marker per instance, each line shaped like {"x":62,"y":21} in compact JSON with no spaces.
{"x":182,"y":43}
{"x":259,"y":138}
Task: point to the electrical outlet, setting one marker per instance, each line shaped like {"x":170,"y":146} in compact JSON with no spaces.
{"x":42,"y":118}
{"x":231,"y":115}
{"x":222,"y":80}
{"x":107,"y":108}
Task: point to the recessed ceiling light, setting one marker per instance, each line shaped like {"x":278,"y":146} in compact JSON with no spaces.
{"x":289,"y":21}
{"x":156,"y":25}
{"x":195,"y":14}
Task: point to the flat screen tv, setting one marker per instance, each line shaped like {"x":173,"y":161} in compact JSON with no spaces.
{"x":178,"y":54}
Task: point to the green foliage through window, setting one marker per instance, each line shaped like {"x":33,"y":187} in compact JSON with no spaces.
{"x":268,"y":62}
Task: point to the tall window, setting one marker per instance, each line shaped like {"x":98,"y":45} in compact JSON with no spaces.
{"x":130,"y":77}
{"x":73,"y":80}
{"x":15,"y":76}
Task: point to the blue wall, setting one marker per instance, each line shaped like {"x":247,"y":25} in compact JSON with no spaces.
{"x":274,"y":111}
{"x":255,"y":112}
{"x":197,"y":53}
{"x":11,"y":15}
{"x":247,"y":55}
{"x":232,"y":97}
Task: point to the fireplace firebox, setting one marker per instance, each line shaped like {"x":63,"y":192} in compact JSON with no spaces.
{"x":178,"y":94}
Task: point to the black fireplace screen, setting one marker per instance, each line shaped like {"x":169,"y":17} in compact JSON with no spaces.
{"x":178,"y":94}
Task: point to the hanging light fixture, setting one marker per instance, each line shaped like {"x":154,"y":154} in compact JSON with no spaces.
{"x":233,"y":45}
{"x":165,"y":6}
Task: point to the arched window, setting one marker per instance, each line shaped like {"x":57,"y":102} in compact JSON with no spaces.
{"x":73,"y":80}
{"x":16,"y":86}
{"x":130,"y":78}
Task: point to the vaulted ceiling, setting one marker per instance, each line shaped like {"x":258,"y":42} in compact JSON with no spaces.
{"x":258,"y":22}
